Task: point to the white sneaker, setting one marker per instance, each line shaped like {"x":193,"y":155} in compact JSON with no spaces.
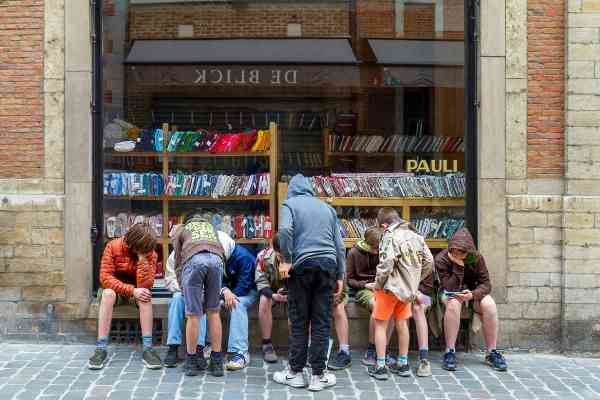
{"x":320,"y":382}
{"x":207,"y":351}
{"x":289,"y":378}
{"x":238,"y":361}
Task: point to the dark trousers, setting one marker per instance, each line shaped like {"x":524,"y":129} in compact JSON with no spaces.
{"x":310,"y":296}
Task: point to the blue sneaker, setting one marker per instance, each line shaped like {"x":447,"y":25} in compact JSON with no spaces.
{"x":390,"y":360}
{"x":370,"y":357}
{"x":449,"y":363}
{"x":496,"y":361}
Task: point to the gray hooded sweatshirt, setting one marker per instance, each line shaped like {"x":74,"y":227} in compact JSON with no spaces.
{"x":308,"y":228}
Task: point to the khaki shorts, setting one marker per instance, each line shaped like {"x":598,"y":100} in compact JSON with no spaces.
{"x":364,"y":297}
{"x":342,"y":298}
{"x":121,"y":300}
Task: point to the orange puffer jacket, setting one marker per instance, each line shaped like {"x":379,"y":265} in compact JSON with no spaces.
{"x":122,"y":272}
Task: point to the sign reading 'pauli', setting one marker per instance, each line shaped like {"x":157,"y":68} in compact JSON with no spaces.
{"x":428,"y":166}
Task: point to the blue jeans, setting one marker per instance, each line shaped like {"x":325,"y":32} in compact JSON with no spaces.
{"x":176,"y":318}
{"x":238,"y":325}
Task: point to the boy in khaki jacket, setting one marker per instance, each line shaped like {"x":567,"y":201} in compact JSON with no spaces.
{"x":404,"y":261}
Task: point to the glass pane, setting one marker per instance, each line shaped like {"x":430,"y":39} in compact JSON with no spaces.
{"x":365,"y":97}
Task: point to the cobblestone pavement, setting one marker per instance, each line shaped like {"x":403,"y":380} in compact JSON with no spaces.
{"x":53,"y":372}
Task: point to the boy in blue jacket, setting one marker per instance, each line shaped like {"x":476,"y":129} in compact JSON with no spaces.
{"x":238,"y":294}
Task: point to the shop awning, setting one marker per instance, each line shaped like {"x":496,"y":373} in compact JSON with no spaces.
{"x":418,"y":52}
{"x":242,"y":51}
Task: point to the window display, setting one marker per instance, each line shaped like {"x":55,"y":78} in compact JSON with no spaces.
{"x":218,"y":121}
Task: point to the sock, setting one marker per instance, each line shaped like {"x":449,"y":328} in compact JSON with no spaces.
{"x":402,"y":360}
{"x":266,"y":341}
{"x":449,"y":350}
{"x":423,"y":353}
{"x":381,"y":362}
{"x":345,"y":348}
{"x":215,"y":355}
{"x":147,"y":341}
{"x":192,"y":355}
{"x":371,"y":346}
{"x":102,"y":342}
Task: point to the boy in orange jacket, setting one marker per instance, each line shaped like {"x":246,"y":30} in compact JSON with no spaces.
{"x":126,"y":276}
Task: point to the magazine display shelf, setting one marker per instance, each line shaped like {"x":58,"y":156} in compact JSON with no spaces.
{"x":403,"y":203}
{"x":329,"y":155}
{"x":166,"y":158}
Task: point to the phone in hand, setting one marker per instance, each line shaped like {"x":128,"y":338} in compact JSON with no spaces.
{"x":453,"y":294}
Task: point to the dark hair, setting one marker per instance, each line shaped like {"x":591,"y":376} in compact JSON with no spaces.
{"x":373,"y":236}
{"x":388,"y":216}
{"x":276,"y":245}
{"x":141,"y":238}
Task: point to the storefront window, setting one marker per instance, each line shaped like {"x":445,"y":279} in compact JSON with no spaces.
{"x":212,"y":106}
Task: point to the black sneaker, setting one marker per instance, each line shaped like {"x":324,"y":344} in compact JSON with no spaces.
{"x":171,"y":357}
{"x":402,"y":370}
{"x":341,"y":361}
{"x":98,"y":359}
{"x":190,"y":367}
{"x":379,"y":373}
{"x":201,"y":361}
{"x":151,"y":359}
{"x":449,"y":363}
{"x":215,"y":367}
{"x":496,"y":361}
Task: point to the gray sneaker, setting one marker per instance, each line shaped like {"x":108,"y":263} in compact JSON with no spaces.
{"x":98,"y":359}
{"x":269,"y":354}
{"x":151,"y":359}
{"x":424,"y":369}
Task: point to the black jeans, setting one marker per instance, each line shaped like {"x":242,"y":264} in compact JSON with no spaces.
{"x":310,"y":296}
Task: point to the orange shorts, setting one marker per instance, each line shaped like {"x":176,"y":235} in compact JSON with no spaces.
{"x":386,"y":305}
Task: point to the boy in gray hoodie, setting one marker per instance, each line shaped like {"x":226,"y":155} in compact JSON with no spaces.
{"x":314,"y":257}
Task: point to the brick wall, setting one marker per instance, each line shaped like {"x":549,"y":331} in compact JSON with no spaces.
{"x":21,"y":77}
{"x":31,"y":264}
{"x":582,"y":204}
{"x":545,"y":134}
{"x":531,"y":316}
{"x":247,"y":20}
{"x":376,"y":18}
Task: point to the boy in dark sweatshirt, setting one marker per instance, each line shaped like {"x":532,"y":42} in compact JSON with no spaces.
{"x":464,"y":278}
{"x":314,"y":256}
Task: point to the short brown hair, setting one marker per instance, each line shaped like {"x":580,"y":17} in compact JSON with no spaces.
{"x":141,"y":238}
{"x":373,"y":236}
{"x":388,"y":216}
{"x":276,"y":245}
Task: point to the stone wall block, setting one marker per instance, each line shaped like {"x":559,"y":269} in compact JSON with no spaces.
{"x":541,"y":311}
{"x":44,"y":293}
{"x":527,"y":219}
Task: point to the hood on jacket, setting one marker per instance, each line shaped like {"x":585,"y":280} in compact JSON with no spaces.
{"x":463,"y":240}
{"x":299,"y":186}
